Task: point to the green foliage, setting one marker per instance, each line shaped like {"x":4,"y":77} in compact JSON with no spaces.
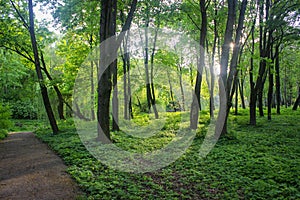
{"x":253,"y":163}
{"x":5,"y":122}
{"x":3,"y":134}
{"x":24,"y":110}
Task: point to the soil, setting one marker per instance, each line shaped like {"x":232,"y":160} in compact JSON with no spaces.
{"x":30,"y":170}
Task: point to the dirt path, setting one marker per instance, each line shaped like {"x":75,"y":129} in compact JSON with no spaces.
{"x":30,"y":170}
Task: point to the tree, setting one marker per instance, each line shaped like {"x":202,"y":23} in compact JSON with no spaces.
{"x":39,"y":71}
{"x":107,"y":30}
{"x":225,"y":57}
{"x":194,"y":115}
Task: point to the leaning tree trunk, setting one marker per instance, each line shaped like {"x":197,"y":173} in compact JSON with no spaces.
{"x":43,"y":87}
{"x":60,"y":107}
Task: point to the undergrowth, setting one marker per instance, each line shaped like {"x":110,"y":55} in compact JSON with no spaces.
{"x":259,"y":162}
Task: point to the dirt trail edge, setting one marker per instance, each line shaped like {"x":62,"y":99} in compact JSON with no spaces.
{"x":30,"y":170}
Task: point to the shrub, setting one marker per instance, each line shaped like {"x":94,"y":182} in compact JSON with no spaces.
{"x":24,"y":110}
{"x":5,"y":123}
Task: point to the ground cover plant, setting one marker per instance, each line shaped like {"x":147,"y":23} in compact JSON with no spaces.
{"x":259,"y":162}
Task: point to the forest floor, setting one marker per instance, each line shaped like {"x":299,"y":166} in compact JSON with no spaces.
{"x":30,"y":170}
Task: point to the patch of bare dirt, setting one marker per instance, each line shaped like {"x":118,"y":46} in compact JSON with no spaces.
{"x":30,"y":170}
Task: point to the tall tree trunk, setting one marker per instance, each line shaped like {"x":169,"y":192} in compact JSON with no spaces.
{"x":107,"y":29}
{"x":92,"y":82}
{"x":43,"y":87}
{"x":253,"y":93}
{"x":146,"y":63}
{"x":115,"y":99}
{"x":270,"y":92}
{"x":153,"y":98}
{"x":196,"y":104}
{"x":126,"y":110}
{"x":225,"y":57}
{"x":212,"y":70}
{"x":277,"y":80}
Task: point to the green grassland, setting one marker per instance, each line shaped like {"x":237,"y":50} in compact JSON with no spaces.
{"x":261,"y":162}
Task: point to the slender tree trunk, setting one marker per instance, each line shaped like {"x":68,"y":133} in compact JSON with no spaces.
{"x":170,"y":86}
{"x":115,"y":99}
{"x":253,"y":93}
{"x":270,"y":92}
{"x":43,"y":87}
{"x":212,"y":70}
{"x":92,"y":82}
{"x":236,"y":97}
{"x":196,"y":104}
{"x":146,"y":62}
{"x":126,"y":110}
{"x":277,"y":80}
{"x":153,"y":98}
{"x":129,"y":88}
{"x":181,"y":86}
{"x":241,"y":89}
{"x":297,"y":102}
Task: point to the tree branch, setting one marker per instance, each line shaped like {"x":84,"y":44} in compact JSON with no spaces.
{"x":25,"y":24}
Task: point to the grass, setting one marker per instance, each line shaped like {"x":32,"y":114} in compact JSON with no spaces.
{"x":259,"y":162}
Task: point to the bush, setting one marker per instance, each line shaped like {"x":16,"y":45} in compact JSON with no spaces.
{"x":5,"y":123}
{"x":3,"y":134}
{"x":24,"y":110}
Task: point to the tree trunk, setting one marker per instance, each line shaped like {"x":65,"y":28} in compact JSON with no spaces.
{"x":270,"y":92}
{"x":277,"y":80}
{"x":146,"y":62}
{"x":212,"y":71}
{"x":224,"y":61}
{"x":43,"y":87}
{"x":196,"y":104}
{"x":253,"y":93}
{"x":107,"y":29}
{"x":153,"y":98}
{"x":60,"y":107}
{"x":92,"y":82}
{"x":181,"y":87}
{"x":297,"y":102}
{"x":115,"y":99}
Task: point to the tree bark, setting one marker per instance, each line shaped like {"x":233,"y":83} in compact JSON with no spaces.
{"x":225,"y":58}
{"x":43,"y":87}
{"x":107,"y":29}
{"x":196,"y":104}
